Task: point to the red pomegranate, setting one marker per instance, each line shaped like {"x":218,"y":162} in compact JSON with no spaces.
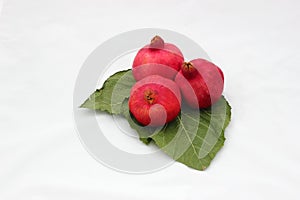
{"x":157,"y":58}
{"x":154,"y":101}
{"x":201,"y":83}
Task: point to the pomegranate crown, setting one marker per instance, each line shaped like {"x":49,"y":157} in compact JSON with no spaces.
{"x":157,"y":42}
{"x":188,"y":70}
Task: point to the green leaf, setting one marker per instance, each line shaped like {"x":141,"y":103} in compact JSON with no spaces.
{"x":146,"y":140}
{"x":111,"y":96}
{"x":193,"y":138}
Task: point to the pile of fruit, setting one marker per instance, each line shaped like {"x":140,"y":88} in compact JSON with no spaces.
{"x":162,"y":77}
{"x":177,"y":105}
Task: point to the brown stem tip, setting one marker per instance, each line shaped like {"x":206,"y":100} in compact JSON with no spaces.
{"x":157,"y":42}
{"x":149,"y":96}
{"x":188,"y":70}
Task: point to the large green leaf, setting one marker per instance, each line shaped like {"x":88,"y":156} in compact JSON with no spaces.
{"x":111,"y":96}
{"x":193,"y":138}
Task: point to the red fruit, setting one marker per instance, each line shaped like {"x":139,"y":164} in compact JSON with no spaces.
{"x":157,"y":58}
{"x":201,"y":83}
{"x":155,"y":100}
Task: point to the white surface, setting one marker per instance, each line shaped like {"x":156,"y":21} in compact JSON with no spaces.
{"x":43,"y":44}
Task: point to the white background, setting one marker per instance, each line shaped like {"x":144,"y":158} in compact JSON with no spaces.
{"x":43,"y":45}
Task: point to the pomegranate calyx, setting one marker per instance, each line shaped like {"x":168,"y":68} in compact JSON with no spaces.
{"x":157,"y":43}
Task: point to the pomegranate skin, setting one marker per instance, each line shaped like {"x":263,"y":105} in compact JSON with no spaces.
{"x":201,"y":83}
{"x":157,"y":58}
{"x":154,"y":101}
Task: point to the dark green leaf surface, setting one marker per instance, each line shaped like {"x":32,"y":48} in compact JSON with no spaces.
{"x":111,"y":96}
{"x":193,"y":138}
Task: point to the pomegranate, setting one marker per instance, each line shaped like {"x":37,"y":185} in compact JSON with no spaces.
{"x":154,"y":100}
{"x":201,"y":83}
{"x":157,"y":58}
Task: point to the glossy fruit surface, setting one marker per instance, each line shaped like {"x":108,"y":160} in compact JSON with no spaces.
{"x":157,"y":58}
{"x":201,"y":83}
{"x":155,"y":101}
